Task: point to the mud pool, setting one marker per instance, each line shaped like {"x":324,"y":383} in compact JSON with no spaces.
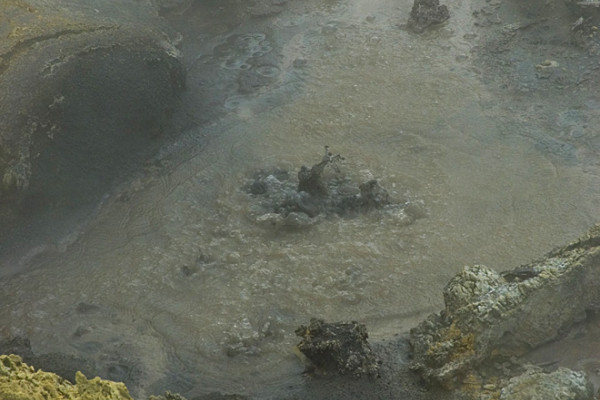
{"x":171,"y":284}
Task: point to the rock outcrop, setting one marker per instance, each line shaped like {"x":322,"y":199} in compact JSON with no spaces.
{"x":558,"y":385}
{"x":339,"y":348}
{"x":492,"y":317}
{"x":19,"y":381}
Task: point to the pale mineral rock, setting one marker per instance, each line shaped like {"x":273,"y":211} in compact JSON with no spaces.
{"x":19,"y":381}
{"x":490,"y":315}
{"x":561,"y":384}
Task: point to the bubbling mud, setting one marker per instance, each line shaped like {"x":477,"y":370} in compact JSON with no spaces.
{"x":197,"y":297}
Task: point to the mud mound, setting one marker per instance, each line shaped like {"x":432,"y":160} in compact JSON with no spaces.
{"x":338,"y":348}
{"x":281,"y":199}
{"x":88,"y":93}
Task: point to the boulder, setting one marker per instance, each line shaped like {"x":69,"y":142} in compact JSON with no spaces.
{"x":340,"y":348}
{"x":426,"y":13}
{"x":490,"y":315}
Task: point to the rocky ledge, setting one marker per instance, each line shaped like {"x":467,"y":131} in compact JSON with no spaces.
{"x":492,"y":319}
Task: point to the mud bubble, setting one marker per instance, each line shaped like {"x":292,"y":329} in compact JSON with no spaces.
{"x":281,"y":198}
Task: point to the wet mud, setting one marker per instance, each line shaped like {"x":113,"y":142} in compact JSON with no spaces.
{"x":486,"y":123}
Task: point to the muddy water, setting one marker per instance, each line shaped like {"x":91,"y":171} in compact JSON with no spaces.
{"x":174,"y":286}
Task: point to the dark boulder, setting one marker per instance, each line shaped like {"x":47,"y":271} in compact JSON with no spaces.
{"x":426,"y":13}
{"x":340,"y":347}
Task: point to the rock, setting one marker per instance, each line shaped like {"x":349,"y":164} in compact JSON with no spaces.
{"x":426,"y":13}
{"x":87,"y":89}
{"x":491,"y":316}
{"x":116,"y":362}
{"x":19,"y":381}
{"x":17,"y":345}
{"x":534,"y":384}
{"x":298,"y":219}
{"x":338,"y":348}
{"x":65,"y":366}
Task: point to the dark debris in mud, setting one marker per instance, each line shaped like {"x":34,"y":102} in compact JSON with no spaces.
{"x":209,"y":396}
{"x":282,"y":199}
{"x":340,"y":348}
{"x":427,"y":13}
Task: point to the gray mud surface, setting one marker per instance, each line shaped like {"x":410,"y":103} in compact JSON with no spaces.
{"x":540,"y":62}
{"x":536,"y":78}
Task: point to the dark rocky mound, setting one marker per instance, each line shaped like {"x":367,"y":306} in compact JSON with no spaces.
{"x":340,"y":348}
{"x":426,"y":13}
{"x":63,"y":365}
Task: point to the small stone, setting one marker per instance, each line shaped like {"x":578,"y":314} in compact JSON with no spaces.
{"x":299,"y":63}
